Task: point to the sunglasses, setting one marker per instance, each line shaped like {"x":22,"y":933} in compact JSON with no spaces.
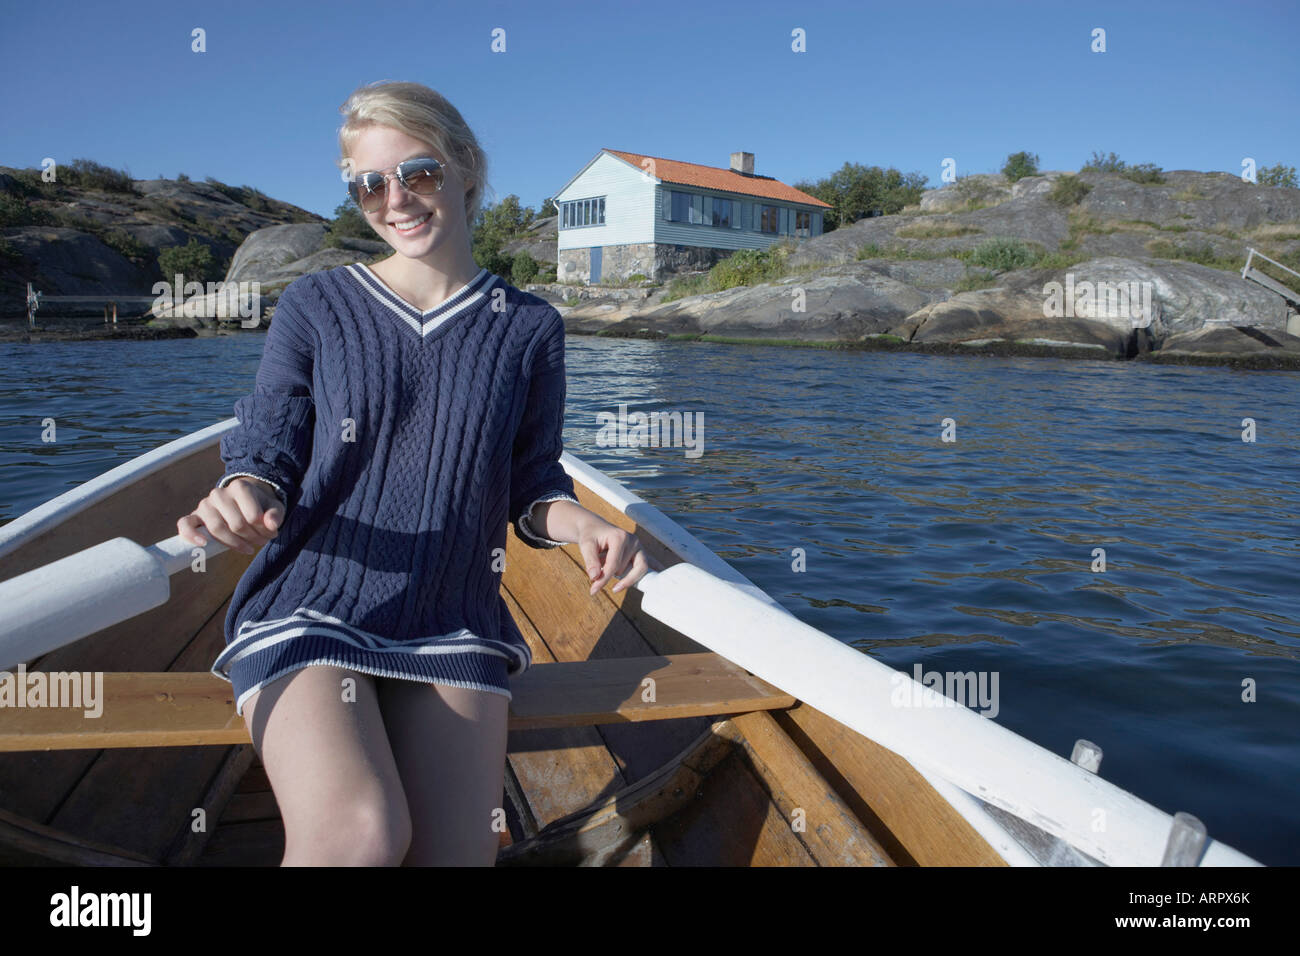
{"x":422,"y":176}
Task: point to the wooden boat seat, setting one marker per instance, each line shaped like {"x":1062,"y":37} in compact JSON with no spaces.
{"x":179,"y":709}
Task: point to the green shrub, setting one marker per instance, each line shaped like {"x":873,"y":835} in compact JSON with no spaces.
{"x":19,"y":212}
{"x":255,"y":199}
{"x":1104,"y":163}
{"x":1019,"y":165}
{"x":182,"y":178}
{"x":125,"y":243}
{"x":194,"y":261}
{"x":524,"y":269}
{"x":29,"y":182}
{"x":1000,"y":255}
{"x":1068,"y":190}
{"x":1278,"y":175}
{"x":88,"y":174}
{"x":349,"y":221}
{"x":1144,"y":173}
{"x":748,"y":267}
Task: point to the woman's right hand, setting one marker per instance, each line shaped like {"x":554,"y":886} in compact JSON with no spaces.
{"x":244,"y":515}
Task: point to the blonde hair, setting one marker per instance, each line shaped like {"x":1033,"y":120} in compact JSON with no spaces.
{"x":422,"y":114}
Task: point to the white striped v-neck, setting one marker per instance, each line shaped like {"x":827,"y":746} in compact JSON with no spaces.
{"x":465,"y":299}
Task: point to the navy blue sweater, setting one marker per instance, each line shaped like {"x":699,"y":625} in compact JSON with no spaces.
{"x":402,"y":443}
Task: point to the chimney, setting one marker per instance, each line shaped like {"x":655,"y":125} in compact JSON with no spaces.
{"x":743,"y":163}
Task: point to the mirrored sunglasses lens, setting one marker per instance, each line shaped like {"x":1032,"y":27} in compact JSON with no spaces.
{"x":423,"y":176}
{"x":371,"y":187}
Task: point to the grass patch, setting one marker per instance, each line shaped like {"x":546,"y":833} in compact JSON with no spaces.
{"x":899,"y":251}
{"x":1086,"y":224}
{"x":1001,"y":255}
{"x":1275,"y":232}
{"x":1201,"y":253}
{"x":973,"y":281}
{"x":1068,"y":190}
{"x":745,"y":267}
{"x":1148,"y":174}
{"x":1189,"y":195}
{"x":936,"y":230}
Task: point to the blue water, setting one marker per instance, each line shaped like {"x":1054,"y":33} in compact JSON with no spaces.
{"x":970,"y":555}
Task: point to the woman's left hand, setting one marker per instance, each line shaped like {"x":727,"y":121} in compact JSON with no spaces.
{"x":610,"y":552}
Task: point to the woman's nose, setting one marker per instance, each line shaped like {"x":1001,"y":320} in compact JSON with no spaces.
{"x":397,"y":193}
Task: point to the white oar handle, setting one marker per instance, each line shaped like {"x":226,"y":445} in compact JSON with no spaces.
{"x":913,"y":720}
{"x":52,"y":606}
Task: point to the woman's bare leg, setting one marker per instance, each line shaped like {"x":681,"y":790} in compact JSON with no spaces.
{"x":327,"y":756}
{"x":450,"y":747}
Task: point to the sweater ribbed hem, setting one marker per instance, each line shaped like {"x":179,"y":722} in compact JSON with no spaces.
{"x":266,"y":651}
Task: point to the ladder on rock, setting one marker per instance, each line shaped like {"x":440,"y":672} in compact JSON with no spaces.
{"x":1289,"y":294}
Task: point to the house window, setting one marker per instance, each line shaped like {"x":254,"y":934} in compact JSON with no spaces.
{"x":679,"y":207}
{"x":583,"y":212}
{"x":769,"y":219}
{"x":802,"y":223}
{"x":722,"y":212}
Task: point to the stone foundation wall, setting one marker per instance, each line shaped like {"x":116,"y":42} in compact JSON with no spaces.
{"x":619,"y":262}
{"x":654,"y":261}
{"x":670,"y":259}
{"x":573,"y":265}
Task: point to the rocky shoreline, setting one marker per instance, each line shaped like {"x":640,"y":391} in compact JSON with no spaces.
{"x":983,"y":266}
{"x":1287,"y":360}
{"x":913,"y":282}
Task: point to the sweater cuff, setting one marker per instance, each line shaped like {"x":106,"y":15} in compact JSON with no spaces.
{"x":227,"y":479}
{"x":526,"y":525}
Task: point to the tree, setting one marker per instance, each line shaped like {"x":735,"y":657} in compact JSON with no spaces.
{"x":349,"y":222}
{"x":856,"y":191}
{"x":193,"y":261}
{"x":524,"y":269}
{"x":1019,"y":165}
{"x":1105,"y":163}
{"x":493,"y":228}
{"x":1278,"y":175}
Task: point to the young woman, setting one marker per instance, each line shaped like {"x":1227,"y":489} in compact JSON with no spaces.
{"x":403,"y":414}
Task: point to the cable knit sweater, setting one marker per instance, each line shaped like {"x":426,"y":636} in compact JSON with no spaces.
{"x":401,"y":443}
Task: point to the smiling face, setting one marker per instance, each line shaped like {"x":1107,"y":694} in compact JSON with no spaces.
{"x":443,"y":230}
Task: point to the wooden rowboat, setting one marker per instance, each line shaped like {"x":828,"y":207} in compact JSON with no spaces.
{"x":687,"y":721}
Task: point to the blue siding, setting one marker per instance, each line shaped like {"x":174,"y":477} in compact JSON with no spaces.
{"x":743,"y":235}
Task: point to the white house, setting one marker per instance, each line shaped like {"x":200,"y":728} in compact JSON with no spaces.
{"x":627,"y":213}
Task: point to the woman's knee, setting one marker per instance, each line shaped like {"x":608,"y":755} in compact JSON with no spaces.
{"x":330,"y":765}
{"x":363,"y":828}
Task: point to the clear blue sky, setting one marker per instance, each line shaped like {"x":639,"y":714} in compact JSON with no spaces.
{"x":1194,"y":85}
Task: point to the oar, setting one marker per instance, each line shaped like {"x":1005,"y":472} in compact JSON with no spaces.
{"x":51,"y":606}
{"x":914,"y":721}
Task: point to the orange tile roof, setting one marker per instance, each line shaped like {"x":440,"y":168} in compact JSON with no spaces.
{"x":713,"y":177}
